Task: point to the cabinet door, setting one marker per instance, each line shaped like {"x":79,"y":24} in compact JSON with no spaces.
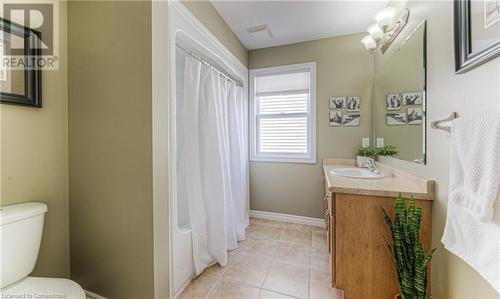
{"x":331,"y":241}
{"x":327,"y":219}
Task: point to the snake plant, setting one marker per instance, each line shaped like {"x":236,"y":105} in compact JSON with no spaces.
{"x":408,"y":254}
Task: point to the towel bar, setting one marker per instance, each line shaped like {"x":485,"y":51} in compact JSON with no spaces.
{"x":444,"y":124}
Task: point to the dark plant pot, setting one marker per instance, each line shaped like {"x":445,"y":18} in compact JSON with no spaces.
{"x":398,"y":296}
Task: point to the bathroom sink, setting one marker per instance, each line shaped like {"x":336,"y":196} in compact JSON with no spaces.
{"x":358,"y":173}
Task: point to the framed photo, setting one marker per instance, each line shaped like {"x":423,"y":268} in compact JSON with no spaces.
{"x":414,"y":116}
{"x":337,"y":102}
{"x":476,"y":33}
{"x":335,"y":118}
{"x":352,"y":104}
{"x":491,"y":12}
{"x":396,"y":119}
{"x":412,"y":98}
{"x":393,"y":101}
{"x":351,"y":120}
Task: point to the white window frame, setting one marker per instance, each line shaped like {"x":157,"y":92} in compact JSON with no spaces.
{"x":310,"y":158}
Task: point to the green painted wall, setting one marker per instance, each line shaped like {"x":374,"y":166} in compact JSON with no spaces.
{"x":110,"y":147}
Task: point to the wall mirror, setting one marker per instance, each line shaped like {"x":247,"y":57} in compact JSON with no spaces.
{"x":400,"y":100}
{"x":20,"y":77}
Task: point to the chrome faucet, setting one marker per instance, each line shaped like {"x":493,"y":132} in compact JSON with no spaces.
{"x":370,"y":164}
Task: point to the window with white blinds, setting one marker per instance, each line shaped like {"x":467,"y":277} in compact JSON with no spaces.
{"x":283,"y":114}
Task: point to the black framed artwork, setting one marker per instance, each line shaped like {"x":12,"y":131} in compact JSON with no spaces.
{"x":477,"y":33}
{"x":20,"y":75}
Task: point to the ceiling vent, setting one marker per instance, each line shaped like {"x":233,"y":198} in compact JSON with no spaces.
{"x":260,"y":32}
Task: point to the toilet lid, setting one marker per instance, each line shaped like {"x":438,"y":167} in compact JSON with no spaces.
{"x":38,"y":287}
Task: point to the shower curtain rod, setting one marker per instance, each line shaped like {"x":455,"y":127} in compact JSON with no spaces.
{"x":209,"y":64}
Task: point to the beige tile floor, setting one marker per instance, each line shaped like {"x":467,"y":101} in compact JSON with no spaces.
{"x":277,"y":261}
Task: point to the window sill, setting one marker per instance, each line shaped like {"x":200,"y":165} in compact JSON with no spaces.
{"x":284,"y":160}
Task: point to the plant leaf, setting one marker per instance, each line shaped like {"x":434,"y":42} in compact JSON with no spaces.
{"x":406,"y":250}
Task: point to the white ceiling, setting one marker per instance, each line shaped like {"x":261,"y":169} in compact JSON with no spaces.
{"x":296,"y":21}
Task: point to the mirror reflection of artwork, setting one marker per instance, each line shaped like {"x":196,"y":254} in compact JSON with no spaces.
{"x":412,"y":98}
{"x":335,"y":118}
{"x":351,"y":120}
{"x":396,"y":119}
{"x":491,"y":12}
{"x":337,"y":102}
{"x":414,"y":116}
{"x":352,"y":104}
{"x":393,"y":101}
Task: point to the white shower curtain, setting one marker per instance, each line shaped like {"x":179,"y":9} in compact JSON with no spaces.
{"x":212,"y":162}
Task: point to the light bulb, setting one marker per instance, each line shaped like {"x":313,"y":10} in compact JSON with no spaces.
{"x":369,"y":43}
{"x":375,"y":31}
{"x":385,"y":17}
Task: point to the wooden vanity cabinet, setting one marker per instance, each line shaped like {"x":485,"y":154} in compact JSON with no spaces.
{"x":360,"y":262}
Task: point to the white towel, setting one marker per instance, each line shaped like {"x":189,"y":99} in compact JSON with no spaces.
{"x":472,"y":229}
{"x":475,"y":163}
{"x":476,"y":243}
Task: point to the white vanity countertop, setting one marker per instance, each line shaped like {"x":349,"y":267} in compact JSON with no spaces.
{"x":394,"y":182}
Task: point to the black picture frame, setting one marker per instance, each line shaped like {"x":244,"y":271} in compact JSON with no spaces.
{"x":465,"y":59}
{"x":32,"y":76}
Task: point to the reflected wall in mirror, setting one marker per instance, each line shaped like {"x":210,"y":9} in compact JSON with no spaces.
{"x":20,"y":75}
{"x":399,"y":93}
{"x":11,"y":80}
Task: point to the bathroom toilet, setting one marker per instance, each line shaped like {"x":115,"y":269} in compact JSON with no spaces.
{"x":21,"y":233}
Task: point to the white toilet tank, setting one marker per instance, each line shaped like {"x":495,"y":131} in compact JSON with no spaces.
{"x":21,"y":232}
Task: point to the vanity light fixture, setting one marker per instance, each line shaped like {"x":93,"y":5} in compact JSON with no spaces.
{"x":369,"y":42}
{"x":385,"y":17}
{"x":382,"y":34}
{"x":375,"y":31}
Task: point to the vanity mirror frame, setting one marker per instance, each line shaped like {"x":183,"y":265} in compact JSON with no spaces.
{"x":32,"y":96}
{"x":423,"y":25}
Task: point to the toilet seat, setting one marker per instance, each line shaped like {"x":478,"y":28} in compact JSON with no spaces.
{"x":38,"y":287}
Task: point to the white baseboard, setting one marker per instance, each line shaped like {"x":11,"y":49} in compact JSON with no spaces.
{"x":91,"y":295}
{"x":288,"y":218}
{"x":183,"y":287}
